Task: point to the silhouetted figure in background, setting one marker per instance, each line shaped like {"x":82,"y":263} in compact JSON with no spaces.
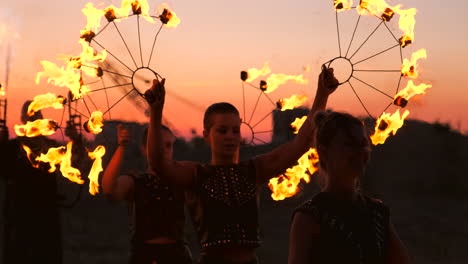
{"x":339,"y":224}
{"x":32,"y":223}
{"x":156,"y":209}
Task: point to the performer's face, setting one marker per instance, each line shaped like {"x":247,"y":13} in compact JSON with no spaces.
{"x":348,"y":153}
{"x":224,"y":135}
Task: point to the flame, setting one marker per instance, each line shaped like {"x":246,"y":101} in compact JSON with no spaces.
{"x":167,"y":14}
{"x":45,"y":100}
{"x":298,"y":122}
{"x":410,"y":68}
{"x":381,"y":9}
{"x":93,"y":176}
{"x":2,"y":90}
{"x":341,"y":5}
{"x":29,"y":153}
{"x":292,"y":102}
{"x":388,"y":125}
{"x":277,"y":79}
{"x":62,"y":156}
{"x":254,"y":73}
{"x":412,"y":90}
{"x":94,"y":124}
{"x":286,"y":185}
{"x":63,"y":77}
{"x":36,"y":128}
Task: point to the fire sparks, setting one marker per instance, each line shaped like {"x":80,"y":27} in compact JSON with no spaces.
{"x":388,"y":125}
{"x":286,"y":185}
{"x":94,"y":124}
{"x":298,"y":122}
{"x":168,"y":17}
{"x":45,"y":100}
{"x":401,"y":99}
{"x":275,"y":80}
{"x":93,"y":176}
{"x":410,"y":68}
{"x":45,"y":127}
{"x":292,"y":102}
{"x":62,"y":156}
{"x":254,"y":73}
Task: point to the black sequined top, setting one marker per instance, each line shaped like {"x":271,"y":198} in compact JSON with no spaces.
{"x":157,"y":210}
{"x":349,"y":233}
{"x":224,"y":205}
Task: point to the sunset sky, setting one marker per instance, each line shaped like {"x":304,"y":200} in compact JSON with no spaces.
{"x":202,"y":58}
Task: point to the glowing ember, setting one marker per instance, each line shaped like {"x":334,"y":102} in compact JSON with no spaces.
{"x":2,"y":90}
{"x":298,"y":122}
{"x":341,"y":5}
{"x":94,"y":124}
{"x":36,"y":128}
{"x":388,"y":125}
{"x":29,"y":153}
{"x":401,"y":99}
{"x":291,"y":102}
{"x":93,"y":176}
{"x":254,"y":73}
{"x":168,"y":17}
{"x":45,"y":100}
{"x":286,"y":185}
{"x":410,"y":68}
{"x":62,"y":156}
{"x":275,"y":80}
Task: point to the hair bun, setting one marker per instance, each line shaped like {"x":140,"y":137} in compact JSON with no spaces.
{"x":320,"y":117}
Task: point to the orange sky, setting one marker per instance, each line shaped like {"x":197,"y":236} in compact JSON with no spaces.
{"x":202,"y":58}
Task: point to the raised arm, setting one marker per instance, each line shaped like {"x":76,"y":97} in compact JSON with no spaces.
{"x":278,"y":160}
{"x":181,"y":174}
{"x":114,"y":186}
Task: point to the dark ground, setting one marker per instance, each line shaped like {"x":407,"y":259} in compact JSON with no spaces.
{"x":421,"y":173}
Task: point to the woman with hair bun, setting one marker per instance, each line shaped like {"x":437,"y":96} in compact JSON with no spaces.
{"x":340,"y":224}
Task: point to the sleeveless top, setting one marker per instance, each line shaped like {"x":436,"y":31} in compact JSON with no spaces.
{"x":157,"y":209}
{"x":224,"y":205}
{"x":349,"y":233}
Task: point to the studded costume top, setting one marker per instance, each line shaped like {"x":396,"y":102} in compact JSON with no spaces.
{"x":157,"y":209}
{"x":349,"y":233}
{"x":224,"y":205}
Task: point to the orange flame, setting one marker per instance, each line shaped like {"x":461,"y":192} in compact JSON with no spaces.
{"x":412,"y":90}
{"x":277,"y":79}
{"x":29,"y":153}
{"x":93,"y":176}
{"x":298,"y":122}
{"x":167,"y":14}
{"x":36,"y":128}
{"x":63,"y":77}
{"x":388,"y":125}
{"x":406,"y":24}
{"x":341,"y":5}
{"x":410,"y":68}
{"x":45,"y":100}
{"x":94,"y":124}
{"x":2,"y":90}
{"x":286,"y":185}
{"x":254,"y":73}
{"x":292,"y":102}
{"x":62,"y":156}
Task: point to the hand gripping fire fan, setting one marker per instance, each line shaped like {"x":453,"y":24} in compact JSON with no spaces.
{"x":363,"y":67}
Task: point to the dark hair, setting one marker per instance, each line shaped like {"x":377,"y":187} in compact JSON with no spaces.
{"x":328,"y":124}
{"x":217,"y":108}
{"x":144,"y":137}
